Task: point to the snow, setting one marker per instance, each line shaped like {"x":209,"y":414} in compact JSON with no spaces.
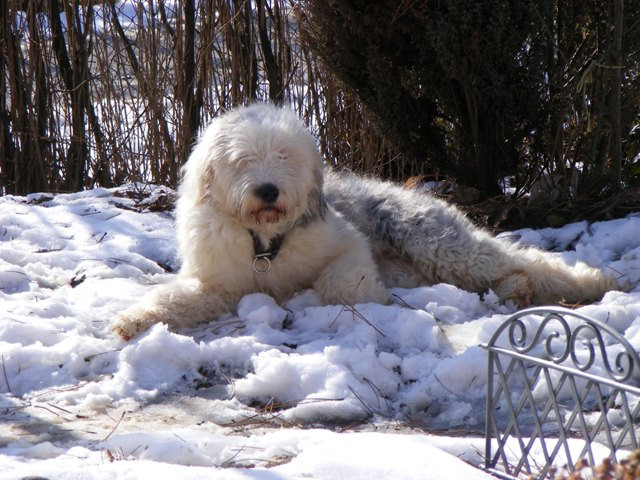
{"x":300,"y":390}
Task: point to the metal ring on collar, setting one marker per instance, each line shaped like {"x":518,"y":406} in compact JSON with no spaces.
{"x":261,"y":263}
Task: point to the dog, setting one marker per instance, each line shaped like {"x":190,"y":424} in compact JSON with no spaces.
{"x":258,"y":212}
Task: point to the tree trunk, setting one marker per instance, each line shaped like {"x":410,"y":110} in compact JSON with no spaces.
{"x":617,"y":67}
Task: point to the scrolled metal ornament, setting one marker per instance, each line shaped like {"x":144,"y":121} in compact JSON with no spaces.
{"x":522,"y":344}
{"x":586,"y":339}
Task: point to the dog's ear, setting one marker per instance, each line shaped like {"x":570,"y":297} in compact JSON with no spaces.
{"x":205,"y":182}
{"x":197,"y":174}
{"x":317,"y":202}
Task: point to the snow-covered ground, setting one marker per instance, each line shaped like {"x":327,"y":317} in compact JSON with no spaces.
{"x":269,"y":392}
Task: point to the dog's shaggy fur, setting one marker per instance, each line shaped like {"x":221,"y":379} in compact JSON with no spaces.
{"x":254,"y":187}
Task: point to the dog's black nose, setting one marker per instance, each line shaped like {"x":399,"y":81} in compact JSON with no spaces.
{"x":267,"y":192}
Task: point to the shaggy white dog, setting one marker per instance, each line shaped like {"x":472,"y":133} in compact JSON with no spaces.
{"x":253,"y":215}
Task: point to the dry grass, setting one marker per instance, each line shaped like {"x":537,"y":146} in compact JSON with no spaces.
{"x":627,"y":469}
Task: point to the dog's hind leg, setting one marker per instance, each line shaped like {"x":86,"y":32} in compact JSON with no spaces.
{"x":180,"y":303}
{"x":552,"y":280}
{"x":474,"y":260}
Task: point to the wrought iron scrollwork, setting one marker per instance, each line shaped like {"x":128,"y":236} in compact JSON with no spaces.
{"x":583,"y":344}
{"x":523,"y":343}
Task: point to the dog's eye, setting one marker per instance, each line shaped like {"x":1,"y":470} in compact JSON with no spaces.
{"x":242,"y":159}
{"x":281,"y":155}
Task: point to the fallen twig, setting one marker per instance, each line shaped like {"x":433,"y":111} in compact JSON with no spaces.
{"x":356,"y":313}
{"x":359,"y":315}
{"x":114,"y":428}
{"x":400,"y":301}
{"x":368,"y":407}
{"x":443,"y":386}
{"x":6,"y":378}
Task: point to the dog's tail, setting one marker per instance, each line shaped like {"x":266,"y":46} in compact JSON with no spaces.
{"x":548,"y":279}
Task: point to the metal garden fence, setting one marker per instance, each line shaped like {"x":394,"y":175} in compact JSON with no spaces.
{"x":559,"y":383}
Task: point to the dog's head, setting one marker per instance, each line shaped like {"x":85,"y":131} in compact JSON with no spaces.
{"x":260,"y":165}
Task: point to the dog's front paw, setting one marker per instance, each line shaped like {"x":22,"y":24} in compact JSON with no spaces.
{"x":127,"y":326}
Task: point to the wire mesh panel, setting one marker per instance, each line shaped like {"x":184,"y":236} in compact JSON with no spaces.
{"x":559,"y":383}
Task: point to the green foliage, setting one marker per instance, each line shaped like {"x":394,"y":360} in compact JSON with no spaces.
{"x":481,"y":90}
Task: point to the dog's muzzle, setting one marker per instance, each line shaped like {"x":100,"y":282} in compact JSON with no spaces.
{"x":267,"y":192}
{"x":269,"y":210}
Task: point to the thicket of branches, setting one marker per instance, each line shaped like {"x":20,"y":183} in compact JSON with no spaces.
{"x":99,"y":93}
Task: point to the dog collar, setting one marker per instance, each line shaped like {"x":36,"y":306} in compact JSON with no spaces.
{"x":262,"y":256}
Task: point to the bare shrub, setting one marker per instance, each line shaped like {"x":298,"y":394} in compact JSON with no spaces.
{"x":101,"y":93}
